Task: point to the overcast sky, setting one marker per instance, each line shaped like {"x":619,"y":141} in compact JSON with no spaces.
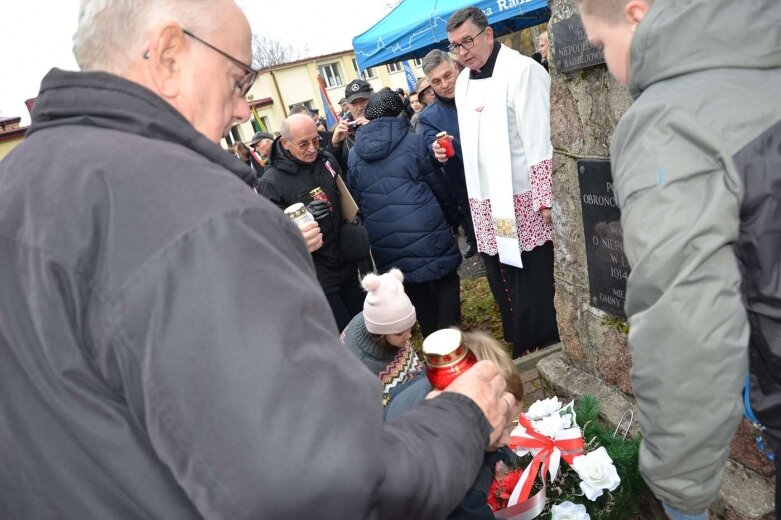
{"x":37,"y":36}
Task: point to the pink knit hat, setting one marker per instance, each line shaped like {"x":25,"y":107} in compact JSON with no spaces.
{"x":386,"y":309}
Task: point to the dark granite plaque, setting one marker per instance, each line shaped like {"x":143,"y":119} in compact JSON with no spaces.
{"x":571,"y":48}
{"x":608,"y":268}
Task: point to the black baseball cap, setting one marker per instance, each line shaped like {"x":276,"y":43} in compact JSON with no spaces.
{"x":357,"y":89}
{"x":259,"y":137}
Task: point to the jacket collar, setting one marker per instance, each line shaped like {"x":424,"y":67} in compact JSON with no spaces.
{"x":488,"y":69}
{"x":108,"y":101}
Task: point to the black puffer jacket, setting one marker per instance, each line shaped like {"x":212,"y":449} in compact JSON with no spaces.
{"x":287,"y":181}
{"x":405,"y":201}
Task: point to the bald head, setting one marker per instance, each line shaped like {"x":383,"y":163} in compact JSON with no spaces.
{"x":300,"y":137}
{"x":296,"y":124}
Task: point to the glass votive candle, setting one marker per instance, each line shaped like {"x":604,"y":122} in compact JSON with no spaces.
{"x":446,"y":357}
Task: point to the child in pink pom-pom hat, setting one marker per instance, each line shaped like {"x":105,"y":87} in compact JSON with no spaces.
{"x":380,"y":335}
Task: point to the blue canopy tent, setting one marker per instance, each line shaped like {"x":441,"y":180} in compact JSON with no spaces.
{"x":415,"y":27}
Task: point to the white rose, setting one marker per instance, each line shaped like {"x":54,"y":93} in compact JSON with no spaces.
{"x":543,"y":408}
{"x":597,"y":472}
{"x":569,"y":511}
{"x":550,"y":426}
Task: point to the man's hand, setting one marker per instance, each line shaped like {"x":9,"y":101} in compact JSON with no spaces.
{"x":340,"y":132}
{"x":312,"y":236}
{"x":439,"y":152}
{"x":546,"y":215}
{"x":485,"y":386}
{"x":319,"y":208}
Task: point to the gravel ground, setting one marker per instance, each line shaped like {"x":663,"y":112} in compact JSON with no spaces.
{"x":470,"y":267}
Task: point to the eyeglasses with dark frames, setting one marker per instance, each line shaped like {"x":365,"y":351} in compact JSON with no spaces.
{"x":245,"y":83}
{"x":466,"y":43}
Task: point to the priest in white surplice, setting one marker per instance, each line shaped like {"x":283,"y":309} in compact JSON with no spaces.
{"x":504,"y":120}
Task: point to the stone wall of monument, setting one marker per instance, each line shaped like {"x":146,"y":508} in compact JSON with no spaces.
{"x":586,"y":105}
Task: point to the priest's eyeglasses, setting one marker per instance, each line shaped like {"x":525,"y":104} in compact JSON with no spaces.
{"x":466,"y":43}
{"x":245,"y":83}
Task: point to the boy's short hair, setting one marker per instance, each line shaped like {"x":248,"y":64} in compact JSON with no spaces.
{"x":486,"y":347}
{"x":607,"y":10}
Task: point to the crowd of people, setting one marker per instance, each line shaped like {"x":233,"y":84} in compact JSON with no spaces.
{"x":172,"y":345}
{"x":410,"y":198}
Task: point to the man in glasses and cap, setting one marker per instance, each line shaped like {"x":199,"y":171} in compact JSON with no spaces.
{"x":356,"y":96}
{"x":260,"y":151}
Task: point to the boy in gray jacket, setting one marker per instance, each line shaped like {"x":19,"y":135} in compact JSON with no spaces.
{"x":697,"y":173}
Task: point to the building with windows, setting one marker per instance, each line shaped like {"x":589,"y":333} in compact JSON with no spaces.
{"x":11,"y":134}
{"x":280,"y":87}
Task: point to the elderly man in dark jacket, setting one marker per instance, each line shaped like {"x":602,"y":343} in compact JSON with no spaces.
{"x":408,"y":211}
{"x":298,"y":168}
{"x":165,"y":349}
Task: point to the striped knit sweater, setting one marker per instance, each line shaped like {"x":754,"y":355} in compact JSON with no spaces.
{"x":393,"y":366}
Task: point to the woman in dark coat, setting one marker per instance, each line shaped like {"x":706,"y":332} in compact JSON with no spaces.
{"x":408,"y":211}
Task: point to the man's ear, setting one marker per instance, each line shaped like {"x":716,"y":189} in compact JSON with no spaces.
{"x":635,"y":11}
{"x":167,"y":52}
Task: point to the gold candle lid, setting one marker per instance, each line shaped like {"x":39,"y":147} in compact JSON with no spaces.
{"x":295,"y":211}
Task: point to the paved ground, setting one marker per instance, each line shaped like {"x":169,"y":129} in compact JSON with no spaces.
{"x":532,"y":387}
{"x":470,"y":267}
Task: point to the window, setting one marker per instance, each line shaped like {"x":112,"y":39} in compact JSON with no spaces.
{"x":256,"y":127}
{"x":235,"y":135}
{"x":365,"y":73}
{"x":330,"y":74}
{"x":310,"y":104}
{"x":393,"y":67}
{"x":418,"y":62}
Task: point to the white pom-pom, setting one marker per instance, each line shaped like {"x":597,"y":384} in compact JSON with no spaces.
{"x":370,"y":282}
{"x":397,"y":274}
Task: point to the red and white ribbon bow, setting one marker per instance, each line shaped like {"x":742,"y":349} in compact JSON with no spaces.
{"x":548,"y":453}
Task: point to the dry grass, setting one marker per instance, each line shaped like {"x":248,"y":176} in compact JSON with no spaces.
{"x":478,"y":311}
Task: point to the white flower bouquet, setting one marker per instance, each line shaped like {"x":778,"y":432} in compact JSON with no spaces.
{"x":569,"y":466}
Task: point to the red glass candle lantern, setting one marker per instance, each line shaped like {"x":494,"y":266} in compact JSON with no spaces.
{"x":446,"y":357}
{"x":444,"y":141}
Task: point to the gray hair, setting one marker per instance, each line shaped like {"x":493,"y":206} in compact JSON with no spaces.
{"x":467,"y":13}
{"x":284,"y":131}
{"x":111,"y":33}
{"x":434,"y":59}
{"x":299,"y":109}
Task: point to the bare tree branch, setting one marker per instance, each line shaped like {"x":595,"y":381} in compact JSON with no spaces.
{"x":268,"y":51}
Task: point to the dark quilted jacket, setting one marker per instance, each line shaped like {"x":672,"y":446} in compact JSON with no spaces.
{"x":405,"y":201}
